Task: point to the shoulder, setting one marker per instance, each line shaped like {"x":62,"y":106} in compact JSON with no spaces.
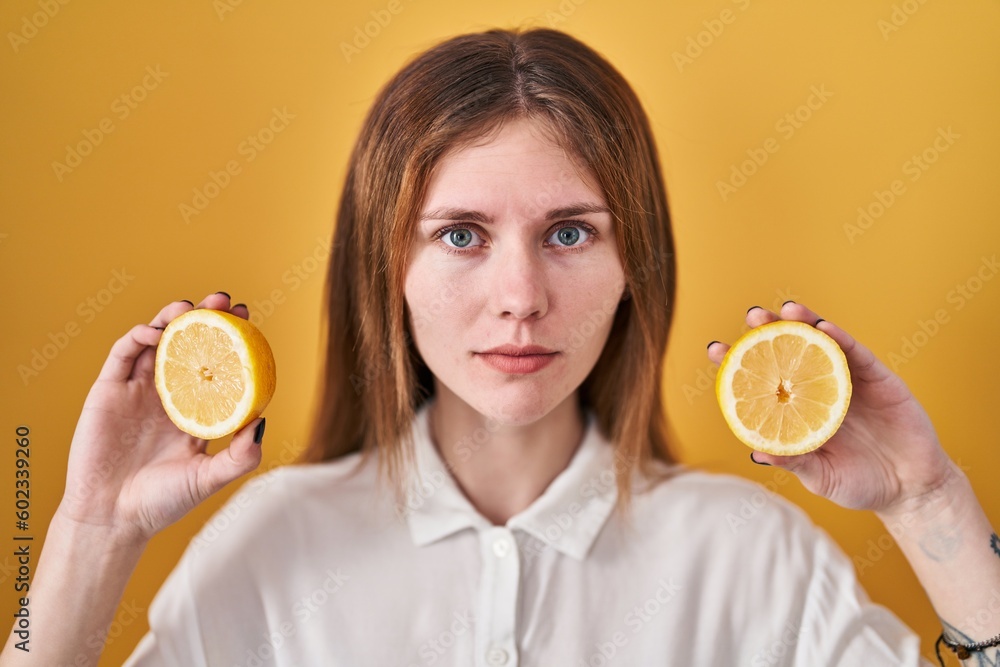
{"x":725,"y":526}
{"x":259,"y":552}
{"x":714,"y":493}
{"x":281,"y":505}
{"x":730,"y":512}
{"x":726,"y":537}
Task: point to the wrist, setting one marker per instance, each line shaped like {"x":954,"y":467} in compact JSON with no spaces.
{"x":107,"y":539}
{"x":945,"y":495}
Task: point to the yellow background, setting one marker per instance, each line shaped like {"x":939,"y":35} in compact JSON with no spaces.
{"x":894,"y":73}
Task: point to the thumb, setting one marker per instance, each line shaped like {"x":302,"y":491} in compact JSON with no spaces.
{"x":807,"y":467}
{"x":241,"y":456}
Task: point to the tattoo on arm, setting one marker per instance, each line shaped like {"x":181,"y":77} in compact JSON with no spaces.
{"x":989,"y":657}
{"x":941,"y":544}
{"x":995,"y":543}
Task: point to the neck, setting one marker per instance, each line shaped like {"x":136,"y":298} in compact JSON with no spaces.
{"x":504,"y":472}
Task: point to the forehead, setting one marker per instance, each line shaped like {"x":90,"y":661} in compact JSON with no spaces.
{"x":521,"y":154}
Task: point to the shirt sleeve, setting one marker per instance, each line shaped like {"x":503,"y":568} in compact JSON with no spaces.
{"x":766,"y":586}
{"x":174,"y":637}
{"x":841,"y":626}
{"x":211,"y":601}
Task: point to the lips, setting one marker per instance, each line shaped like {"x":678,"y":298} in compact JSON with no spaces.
{"x":518,"y":350}
{"x":515,"y":359}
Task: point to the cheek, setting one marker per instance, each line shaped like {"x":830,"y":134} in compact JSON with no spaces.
{"x":415,"y":290}
{"x":436,"y":302}
{"x":590,"y":308}
{"x":597,"y":282}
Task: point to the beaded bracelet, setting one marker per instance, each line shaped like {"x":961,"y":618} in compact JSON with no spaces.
{"x":963,"y":651}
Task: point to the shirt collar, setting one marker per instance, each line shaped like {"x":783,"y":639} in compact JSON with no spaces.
{"x":568,"y":515}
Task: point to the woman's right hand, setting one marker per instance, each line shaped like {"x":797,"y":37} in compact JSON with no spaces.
{"x":131,"y":471}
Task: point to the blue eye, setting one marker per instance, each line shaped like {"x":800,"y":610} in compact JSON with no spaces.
{"x":569,"y":235}
{"x":572,"y":236}
{"x":459,"y":237}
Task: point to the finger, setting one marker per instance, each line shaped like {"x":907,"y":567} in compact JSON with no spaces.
{"x":754,"y":318}
{"x":241,"y":456}
{"x":216,"y":301}
{"x":716,"y":351}
{"x":805,"y":466}
{"x":864,"y":365}
{"x":126,"y":350}
{"x":143,"y":364}
{"x":170,"y":311}
{"x":798,"y":312}
{"x":757,"y":316}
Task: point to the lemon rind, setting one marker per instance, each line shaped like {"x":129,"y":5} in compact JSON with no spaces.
{"x":731,"y":363}
{"x":243,"y":412}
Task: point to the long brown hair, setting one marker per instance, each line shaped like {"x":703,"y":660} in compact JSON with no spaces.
{"x":374,"y":379}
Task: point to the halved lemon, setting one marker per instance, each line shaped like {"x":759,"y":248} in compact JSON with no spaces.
{"x":784,"y":388}
{"x":214,"y":372}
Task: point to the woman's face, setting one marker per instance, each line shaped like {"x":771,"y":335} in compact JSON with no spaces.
{"x":514,"y":247}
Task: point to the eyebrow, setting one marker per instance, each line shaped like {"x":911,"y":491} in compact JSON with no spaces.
{"x":465,"y":215}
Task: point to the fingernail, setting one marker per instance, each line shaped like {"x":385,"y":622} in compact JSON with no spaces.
{"x":751,"y":308}
{"x":258,"y":434}
{"x":186,"y":301}
{"x":760,"y":463}
{"x":160,"y":328}
{"x":818,"y":321}
{"x":711,"y":344}
{"x":786,"y":303}
{"x":225,"y":294}
{"x":241,"y":304}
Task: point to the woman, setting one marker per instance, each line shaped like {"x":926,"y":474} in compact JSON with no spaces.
{"x":499,"y":303}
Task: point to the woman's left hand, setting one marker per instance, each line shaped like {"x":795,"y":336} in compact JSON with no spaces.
{"x":885,"y":455}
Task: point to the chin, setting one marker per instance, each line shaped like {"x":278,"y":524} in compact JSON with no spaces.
{"x":515,"y":406}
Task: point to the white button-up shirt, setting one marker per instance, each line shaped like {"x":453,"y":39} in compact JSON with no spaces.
{"x":310,"y":565}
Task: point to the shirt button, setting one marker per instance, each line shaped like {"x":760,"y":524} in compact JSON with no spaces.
{"x":501,"y":548}
{"x":496,"y":656}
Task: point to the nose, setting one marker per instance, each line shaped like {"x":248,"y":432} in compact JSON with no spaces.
{"x":518,"y":288}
